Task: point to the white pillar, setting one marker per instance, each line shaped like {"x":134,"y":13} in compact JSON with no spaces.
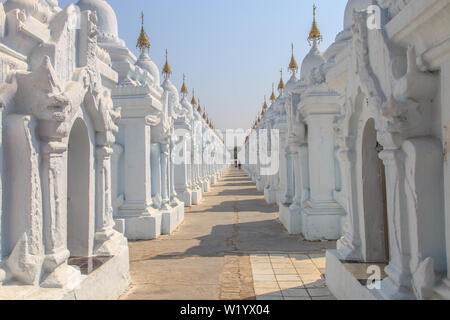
{"x":289,"y":195}
{"x":117,"y":197}
{"x":55,"y":217}
{"x":104,"y":222}
{"x":172,"y":191}
{"x":349,"y":245}
{"x":282,"y":177}
{"x":164,"y":175}
{"x":156,"y":174}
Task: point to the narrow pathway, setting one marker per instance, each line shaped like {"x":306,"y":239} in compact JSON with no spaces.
{"x":230,"y":247}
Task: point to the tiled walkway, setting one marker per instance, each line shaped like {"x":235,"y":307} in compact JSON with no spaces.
{"x":289,"y":277}
{"x":230,"y":247}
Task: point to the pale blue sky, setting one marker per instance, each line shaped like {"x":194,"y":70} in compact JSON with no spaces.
{"x":230,"y":50}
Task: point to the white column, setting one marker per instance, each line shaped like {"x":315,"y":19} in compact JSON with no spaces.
{"x":55,"y":230}
{"x":349,"y":245}
{"x":282,"y":177}
{"x":54,"y":205}
{"x":300,"y":174}
{"x":155,"y":159}
{"x":172,"y":191}
{"x":289,"y":194}
{"x":104,"y":222}
{"x":164,"y":175}
{"x":398,"y":268}
{"x":117,"y":197}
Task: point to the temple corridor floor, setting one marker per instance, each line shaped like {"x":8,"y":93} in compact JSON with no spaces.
{"x":230,"y":247}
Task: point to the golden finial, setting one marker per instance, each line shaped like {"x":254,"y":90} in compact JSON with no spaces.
{"x":167,"y":71}
{"x":204,"y":115}
{"x":184,"y":90}
{"x":265,"y":107}
{"x":293,"y":66}
{"x":272,"y":96}
{"x":315,"y":37}
{"x":281,"y":84}
{"x":199,"y":109}
{"x":193,"y":101}
{"x":143,"y":43}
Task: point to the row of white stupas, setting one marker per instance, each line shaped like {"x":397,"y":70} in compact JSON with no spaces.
{"x":364,"y":135}
{"x":90,"y":150}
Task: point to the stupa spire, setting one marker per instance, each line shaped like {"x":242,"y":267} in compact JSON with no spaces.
{"x":293,"y":66}
{"x":193,"y":101}
{"x":272,"y":96}
{"x":315,"y":37}
{"x":265,"y":107}
{"x":281,"y":84}
{"x":199,"y":109}
{"x":143,"y":43}
{"x":167,"y":71}
{"x":184,"y":90}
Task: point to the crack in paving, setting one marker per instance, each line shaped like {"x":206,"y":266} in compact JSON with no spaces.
{"x":232,"y":241}
{"x":236,"y":278}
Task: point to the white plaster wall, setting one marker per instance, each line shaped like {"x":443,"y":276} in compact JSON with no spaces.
{"x":181,"y":171}
{"x":137,"y":177}
{"x":321,"y":158}
{"x":21,"y":159}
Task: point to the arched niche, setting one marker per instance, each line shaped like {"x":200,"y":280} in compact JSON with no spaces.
{"x":80,"y":212}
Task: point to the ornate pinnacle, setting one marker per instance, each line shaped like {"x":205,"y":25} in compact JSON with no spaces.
{"x":143,"y":43}
{"x":315,"y":37}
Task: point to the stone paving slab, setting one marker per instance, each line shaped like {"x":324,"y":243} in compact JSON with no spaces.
{"x":297,"y":276}
{"x":230,"y":247}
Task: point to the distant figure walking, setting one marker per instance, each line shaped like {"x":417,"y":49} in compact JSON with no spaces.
{"x":239,"y":165}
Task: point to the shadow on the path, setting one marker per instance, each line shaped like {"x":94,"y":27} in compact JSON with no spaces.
{"x":240,"y":192}
{"x":242,"y":184}
{"x":265,"y":235}
{"x":240,"y":238}
{"x":245,"y":206}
